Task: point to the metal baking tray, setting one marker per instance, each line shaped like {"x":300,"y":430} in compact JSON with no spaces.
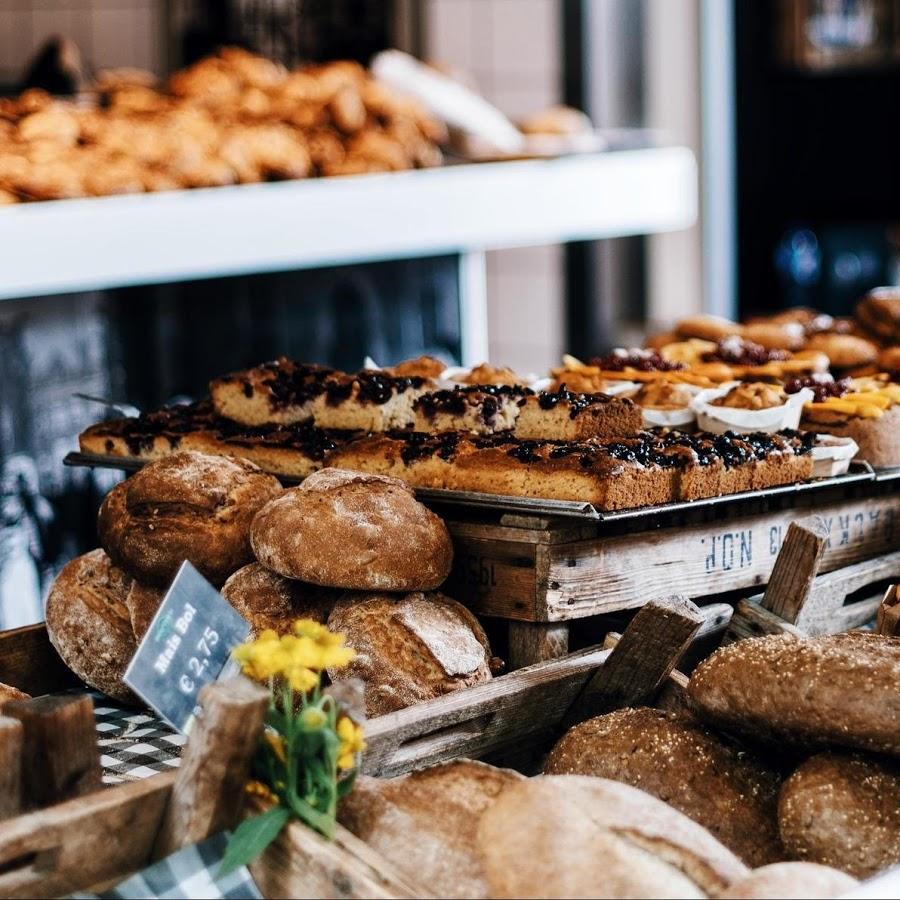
{"x":859,"y":472}
{"x":887,"y":475}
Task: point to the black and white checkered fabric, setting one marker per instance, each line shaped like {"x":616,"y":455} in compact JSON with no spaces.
{"x":189,"y":873}
{"x":134,"y":743}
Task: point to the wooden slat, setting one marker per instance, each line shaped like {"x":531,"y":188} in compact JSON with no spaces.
{"x":76,"y":845}
{"x":29,"y":662}
{"x":504,"y":713}
{"x":533,"y":642}
{"x":11,"y":742}
{"x":594,"y":575}
{"x":752,"y":619}
{"x":638,"y":666}
{"x":301,"y":863}
{"x":796,"y":568}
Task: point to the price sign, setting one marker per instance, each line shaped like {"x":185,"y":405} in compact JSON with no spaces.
{"x":187,"y":646}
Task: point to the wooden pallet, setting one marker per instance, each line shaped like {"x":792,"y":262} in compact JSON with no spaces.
{"x":540,"y":574}
{"x":803,"y":599}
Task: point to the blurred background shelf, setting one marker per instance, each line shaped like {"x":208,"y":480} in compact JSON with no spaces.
{"x":77,"y":245}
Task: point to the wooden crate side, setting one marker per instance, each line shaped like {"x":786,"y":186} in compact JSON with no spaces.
{"x":603,"y":575}
{"x":82,"y":843}
{"x":29,"y":662}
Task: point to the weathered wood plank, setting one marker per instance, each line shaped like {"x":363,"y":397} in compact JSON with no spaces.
{"x":88,"y":841}
{"x":29,"y":662}
{"x":600,"y":574}
{"x":11,"y":741}
{"x":796,"y":567}
{"x":752,"y":619}
{"x":534,"y":642}
{"x":638,"y":666}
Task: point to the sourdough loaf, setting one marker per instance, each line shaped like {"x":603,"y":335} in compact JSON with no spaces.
{"x":188,"y":506}
{"x":410,"y":648}
{"x":268,"y":600}
{"x":142,"y":602}
{"x":722,"y":788}
{"x":843,"y":810}
{"x":837,"y":690}
{"x":8,"y":692}
{"x":791,"y":881}
{"x":353,"y":530}
{"x":425,"y":823}
{"x":88,"y":622}
{"x":577,"y":836}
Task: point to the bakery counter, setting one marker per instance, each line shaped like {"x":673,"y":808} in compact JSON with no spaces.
{"x":179,"y":235}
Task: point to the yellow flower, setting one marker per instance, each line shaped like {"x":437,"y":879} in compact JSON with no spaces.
{"x":258,"y":789}
{"x":313,"y":717}
{"x":301,"y":679}
{"x":276,"y":743}
{"x":317,"y":632}
{"x":352,"y":743}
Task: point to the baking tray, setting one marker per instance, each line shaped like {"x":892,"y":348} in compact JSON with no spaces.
{"x":859,"y":472}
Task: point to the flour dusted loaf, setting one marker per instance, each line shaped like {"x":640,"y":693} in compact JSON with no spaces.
{"x":791,"y":881}
{"x":353,"y":530}
{"x":837,"y":690}
{"x":8,"y":692}
{"x":843,"y":810}
{"x":425,"y":823}
{"x":725,"y":790}
{"x":411,"y":648}
{"x":268,"y":600}
{"x":577,"y":836}
{"x":142,"y":602}
{"x":188,"y":506}
{"x":88,"y":622}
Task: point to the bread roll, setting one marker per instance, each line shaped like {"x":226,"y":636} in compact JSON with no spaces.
{"x":142,"y":602}
{"x":816,"y":692}
{"x":425,"y":823}
{"x":88,"y":622}
{"x":353,"y":530}
{"x":410,"y":648}
{"x":187,"y":506}
{"x":844,"y":350}
{"x":843,"y":810}
{"x":775,"y":336}
{"x":722,"y":788}
{"x":267,"y":600}
{"x":791,"y":881}
{"x":707,"y":328}
{"x":8,"y":692}
{"x":576,"y":836}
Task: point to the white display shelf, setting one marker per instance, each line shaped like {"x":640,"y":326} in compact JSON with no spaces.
{"x":76,"y":245}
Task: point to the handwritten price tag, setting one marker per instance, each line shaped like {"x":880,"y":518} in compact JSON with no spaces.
{"x":187,"y":646}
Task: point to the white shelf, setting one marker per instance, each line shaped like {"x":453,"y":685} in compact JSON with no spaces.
{"x":74,"y":245}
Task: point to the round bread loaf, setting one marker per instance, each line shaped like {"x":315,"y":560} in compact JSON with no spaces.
{"x":143,"y":601}
{"x":353,"y":530}
{"x":267,"y":600}
{"x":844,"y":350}
{"x":837,"y":690}
{"x":88,"y":622}
{"x":722,"y":788}
{"x":8,"y":692}
{"x":879,"y":313}
{"x":577,"y":836}
{"x":843,"y":810}
{"x":791,"y":881}
{"x":411,"y":648}
{"x":707,"y":328}
{"x":187,"y":506}
{"x":775,"y":336}
{"x":425,"y":822}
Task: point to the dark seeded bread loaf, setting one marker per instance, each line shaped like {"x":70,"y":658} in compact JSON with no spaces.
{"x":722,"y":788}
{"x":353,"y":530}
{"x":411,"y":648}
{"x":843,"y":810}
{"x":837,"y":690}
{"x":187,"y":506}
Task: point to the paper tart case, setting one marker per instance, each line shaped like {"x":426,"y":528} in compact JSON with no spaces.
{"x":719,"y":419}
{"x":832,"y":455}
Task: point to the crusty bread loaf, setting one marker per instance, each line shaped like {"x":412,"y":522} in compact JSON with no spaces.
{"x":722,"y":788}
{"x":791,"y":881}
{"x":142,"y":602}
{"x":426,"y":822}
{"x":8,"y":692}
{"x":353,"y":530}
{"x":268,"y":600}
{"x":188,"y":506}
{"x":88,"y":622}
{"x":577,"y":836}
{"x":843,"y":810}
{"x":837,"y":690}
{"x":410,"y":648}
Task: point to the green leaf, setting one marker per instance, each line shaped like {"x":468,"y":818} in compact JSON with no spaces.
{"x":252,"y":836}
{"x":345,"y":785}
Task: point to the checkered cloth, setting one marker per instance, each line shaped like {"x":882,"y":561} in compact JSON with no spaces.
{"x":189,"y":873}
{"x":134,"y":743}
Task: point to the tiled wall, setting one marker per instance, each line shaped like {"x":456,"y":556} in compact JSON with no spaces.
{"x":513,"y":50}
{"x":108,"y":32}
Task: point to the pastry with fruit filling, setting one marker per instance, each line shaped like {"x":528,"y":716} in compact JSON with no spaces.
{"x":622,"y":366}
{"x":864,"y":409}
{"x":666,"y":403}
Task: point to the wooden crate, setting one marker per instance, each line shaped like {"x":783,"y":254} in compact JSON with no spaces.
{"x":540,"y":574}
{"x":802,"y":599}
